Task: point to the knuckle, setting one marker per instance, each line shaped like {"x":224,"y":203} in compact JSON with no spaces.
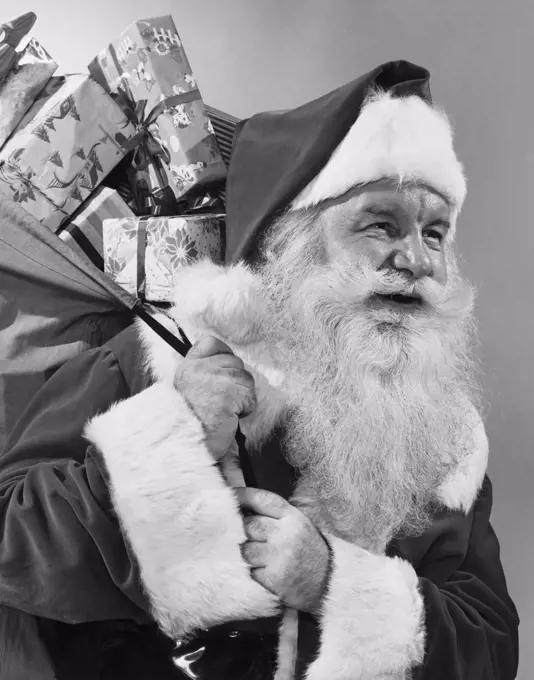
{"x":205,"y":344}
{"x":250,"y":552}
{"x":254,"y":525}
{"x":240,"y":376}
{"x":264,"y":498}
{"x":258,"y":523}
{"x":252,"y":397}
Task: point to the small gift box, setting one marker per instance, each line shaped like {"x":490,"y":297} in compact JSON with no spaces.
{"x":83,"y":232}
{"x":141,"y":254}
{"x":28,"y":76}
{"x":148,"y":72}
{"x":63,"y":152}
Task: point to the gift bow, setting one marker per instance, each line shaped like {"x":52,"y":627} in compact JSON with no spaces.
{"x":147,"y":147}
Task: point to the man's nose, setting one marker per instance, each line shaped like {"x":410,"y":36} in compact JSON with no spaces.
{"x":411,"y":257}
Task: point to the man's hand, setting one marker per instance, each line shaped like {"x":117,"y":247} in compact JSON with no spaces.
{"x":287,"y":554}
{"x":218,"y":389}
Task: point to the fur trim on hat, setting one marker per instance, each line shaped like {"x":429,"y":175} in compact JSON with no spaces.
{"x":399,"y":137}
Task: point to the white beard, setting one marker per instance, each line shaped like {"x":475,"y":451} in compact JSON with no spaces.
{"x":377,"y":398}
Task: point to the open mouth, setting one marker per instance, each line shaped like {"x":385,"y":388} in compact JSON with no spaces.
{"x":399,"y":299}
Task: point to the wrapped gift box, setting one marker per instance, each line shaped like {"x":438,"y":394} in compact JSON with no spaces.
{"x":60,"y":155}
{"x":83,"y":232}
{"x":149,"y":69}
{"x":141,"y":254}
{"x":18,"y":91}
{"x":52,"y":86}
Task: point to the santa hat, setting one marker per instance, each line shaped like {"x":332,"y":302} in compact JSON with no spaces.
{"x":380,"y":125}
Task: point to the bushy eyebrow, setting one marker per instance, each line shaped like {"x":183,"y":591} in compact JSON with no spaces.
{"x":381,"y":211}
{"x":393,"y":212}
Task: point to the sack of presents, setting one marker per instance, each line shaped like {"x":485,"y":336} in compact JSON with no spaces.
{"x":124,"y":163}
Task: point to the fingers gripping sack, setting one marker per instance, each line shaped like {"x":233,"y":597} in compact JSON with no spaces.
{"x":218,"y":389}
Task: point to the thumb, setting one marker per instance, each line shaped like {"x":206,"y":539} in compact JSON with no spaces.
{"x":208,"y":346}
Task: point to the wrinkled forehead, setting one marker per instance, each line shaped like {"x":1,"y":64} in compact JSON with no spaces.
{"x":409,"y":197}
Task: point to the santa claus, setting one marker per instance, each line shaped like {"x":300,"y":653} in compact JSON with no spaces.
{"x":339,"y":338}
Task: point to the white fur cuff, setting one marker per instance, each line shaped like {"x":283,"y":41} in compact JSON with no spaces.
{"x":181,"y":518}
{"x":372,"y":624}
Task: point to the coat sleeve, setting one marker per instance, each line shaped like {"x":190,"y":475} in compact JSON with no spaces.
{"x":471,"y":622}
{"x":128,"y":517}
{"x":178,"y":513}
{"x":62,"y":555}
{"x":451,"y":620}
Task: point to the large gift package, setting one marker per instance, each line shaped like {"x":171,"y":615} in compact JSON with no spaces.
{"x":62,"y":151}
{"x":147,"y":71}
{"x":117,"y":170}
{"x":141,"y":254}
{"x":28,"y":76}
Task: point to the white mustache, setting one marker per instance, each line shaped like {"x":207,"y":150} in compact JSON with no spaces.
{"x":397,"y":285}
{"x":449,"y":299}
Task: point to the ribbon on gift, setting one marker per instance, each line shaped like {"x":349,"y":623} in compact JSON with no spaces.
{"x":141,"y":257}
{"x":201,"y":203}
{"x":148,"y":150}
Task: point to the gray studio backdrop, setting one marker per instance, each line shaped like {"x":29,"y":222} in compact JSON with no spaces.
{"x":256,"y":54}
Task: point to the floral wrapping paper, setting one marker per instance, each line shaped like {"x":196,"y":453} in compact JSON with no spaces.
{"x":52,"y":86}
{"x":66,"y":146}
{"x":141,"y":254}
{"x":83,"y":232}
{"x":149,"y":61}
{"x":18,"y":91}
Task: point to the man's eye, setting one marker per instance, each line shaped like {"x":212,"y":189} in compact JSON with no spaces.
{"x":434,"y":235}
{"x":379,"y":226}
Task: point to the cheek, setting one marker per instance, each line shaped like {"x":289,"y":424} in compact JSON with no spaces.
{"x":374,"y":251}
{"x":439,"y":268}
{"x":349,"y":247}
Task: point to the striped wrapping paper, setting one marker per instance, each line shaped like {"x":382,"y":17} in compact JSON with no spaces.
{"x":224,"y":126}
{"x":83,"y":232}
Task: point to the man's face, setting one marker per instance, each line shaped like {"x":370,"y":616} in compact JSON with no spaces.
{"x":380,"y":258}
{"x":394,"y":229}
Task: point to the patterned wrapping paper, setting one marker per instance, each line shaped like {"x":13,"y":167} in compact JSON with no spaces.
{"x":61,"y":154}
{"x":52,"y":86}
{"x":149,"y":63}
{"x":83,"y":232}
{"x":25,"y":81}
{"x":141,"y":253}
